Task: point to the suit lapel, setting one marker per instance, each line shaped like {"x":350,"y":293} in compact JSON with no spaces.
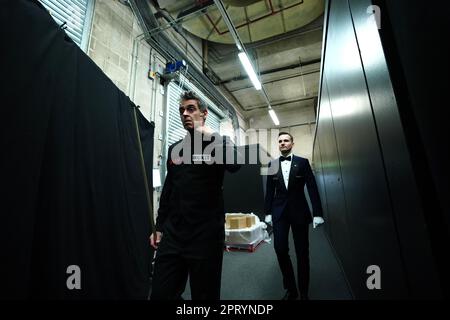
{"x":280,"y":174}
{"x":294,"y":168}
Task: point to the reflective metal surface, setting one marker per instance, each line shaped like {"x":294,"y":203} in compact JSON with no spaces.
{"x":405,"y":200}
{"x":359,"y":136}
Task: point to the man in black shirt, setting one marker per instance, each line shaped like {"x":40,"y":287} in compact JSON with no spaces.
{"x":190,"y":224}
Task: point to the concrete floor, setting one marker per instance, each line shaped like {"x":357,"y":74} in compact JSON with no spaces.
{"x":256,"y":275}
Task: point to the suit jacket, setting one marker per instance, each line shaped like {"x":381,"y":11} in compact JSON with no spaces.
{"x":292,"y":201}
{"x":191,"y":211}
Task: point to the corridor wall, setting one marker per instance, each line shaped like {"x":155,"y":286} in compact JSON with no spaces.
{"x":366,"y":179}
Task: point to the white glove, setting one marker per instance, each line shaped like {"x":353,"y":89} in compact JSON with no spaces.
{"x":268,"y":218}
{"x":317,"y":221}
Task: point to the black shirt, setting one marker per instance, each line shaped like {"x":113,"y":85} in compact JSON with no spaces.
{"x":191,"y":213}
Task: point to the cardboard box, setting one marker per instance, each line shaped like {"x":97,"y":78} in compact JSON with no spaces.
{"x":237,"y":222}
{"x":250,"y":220}
{"x":232,"y":216}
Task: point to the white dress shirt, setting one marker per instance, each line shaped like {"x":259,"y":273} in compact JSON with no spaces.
{"x":286,"y":169}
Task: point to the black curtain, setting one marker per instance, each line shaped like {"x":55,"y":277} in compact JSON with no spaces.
{"x":73,"y":188}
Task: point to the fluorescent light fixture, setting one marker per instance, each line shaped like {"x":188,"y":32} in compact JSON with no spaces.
{"x":274,"y":117}
{"x":249,"y":69}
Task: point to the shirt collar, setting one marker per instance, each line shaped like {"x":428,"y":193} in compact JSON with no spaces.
{"x":289,"y":155}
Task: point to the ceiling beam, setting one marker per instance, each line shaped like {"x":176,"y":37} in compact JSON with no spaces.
{"x":270,"y":71}
{"x":283,"y":102}
{"x":277,"y":80}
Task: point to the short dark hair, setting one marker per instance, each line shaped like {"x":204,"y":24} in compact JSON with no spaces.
{"x":281,"y":133}
{"x":191,"y":95}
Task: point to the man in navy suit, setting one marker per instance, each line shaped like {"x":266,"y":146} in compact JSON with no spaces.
{"x":286,"y":207}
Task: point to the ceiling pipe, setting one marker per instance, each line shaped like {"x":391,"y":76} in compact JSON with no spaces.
{"x":164,"y":46}
{"x":162,"y":13}
{"x":176,"y":24}
{"x":239,"y":44}
{"x":230,"y":26}
{"x":241,"y":48}
{"x":271,"y":6}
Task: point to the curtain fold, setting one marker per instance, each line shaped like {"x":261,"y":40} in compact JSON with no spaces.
{"x":74,"y":190}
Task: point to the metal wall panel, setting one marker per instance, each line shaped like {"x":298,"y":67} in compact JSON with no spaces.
{"x":333,"y":192}
{"x":368,"y":223}
{"x":408,"y":211}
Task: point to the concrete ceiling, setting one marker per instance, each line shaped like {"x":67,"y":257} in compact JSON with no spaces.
{"x":284,"y":45}
{"x":257,"y":21}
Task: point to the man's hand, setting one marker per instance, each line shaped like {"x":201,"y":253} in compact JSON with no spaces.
{"x":154,"y":243}
{"x":268,"y":219}
{"x":317,"y":221}
{"x":204,"y":129}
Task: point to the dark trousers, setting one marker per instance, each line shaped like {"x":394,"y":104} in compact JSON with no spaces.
{"x":172,"y":270}
{"x":301,"y":243}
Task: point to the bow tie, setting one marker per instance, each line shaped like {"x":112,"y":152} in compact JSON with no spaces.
{"x":285,"y":158}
